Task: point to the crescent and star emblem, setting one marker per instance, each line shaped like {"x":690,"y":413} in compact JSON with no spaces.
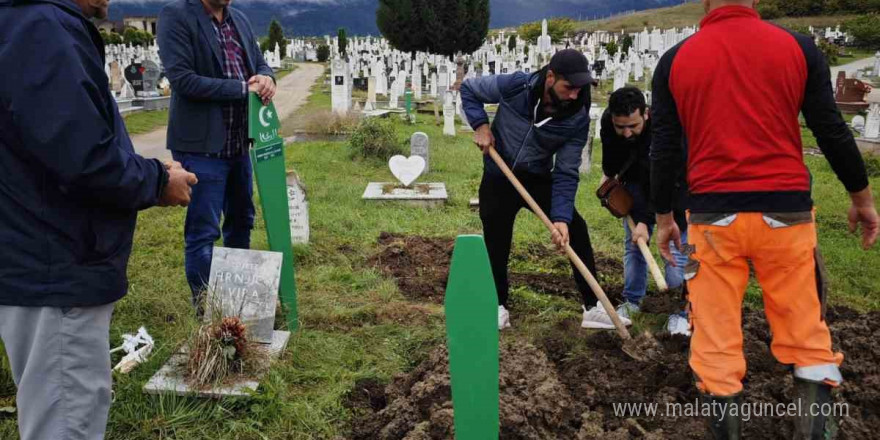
{"x":263,"y":114}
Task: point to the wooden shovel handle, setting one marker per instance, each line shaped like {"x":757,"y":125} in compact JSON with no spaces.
{"x":649,"y":257}
{"x":581,"y":267}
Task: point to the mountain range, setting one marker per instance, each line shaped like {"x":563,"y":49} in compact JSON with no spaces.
{"x":324,"y":17}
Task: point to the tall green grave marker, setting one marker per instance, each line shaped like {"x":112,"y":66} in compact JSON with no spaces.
{"x":267,"y":157}
{"x":472,"y":337}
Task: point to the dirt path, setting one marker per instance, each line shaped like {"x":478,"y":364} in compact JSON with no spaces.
{"x":293,"y":90}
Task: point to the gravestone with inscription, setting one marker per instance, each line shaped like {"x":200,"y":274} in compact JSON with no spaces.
{"x":151,"y":74}
{"x":299,"y":209}
{"x":244,"y":283}
{"x":134,"y":74}
{"x":340,"y":90}
{"x":419,"y":146}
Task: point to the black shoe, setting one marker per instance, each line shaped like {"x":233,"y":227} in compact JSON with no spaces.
{"x":723,"y":425}
{"x":813,"y":397}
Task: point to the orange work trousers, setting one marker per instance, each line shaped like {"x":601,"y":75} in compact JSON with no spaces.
{"x":783,"y":251}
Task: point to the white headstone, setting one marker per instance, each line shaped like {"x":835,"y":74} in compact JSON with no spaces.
{"x":340,"y":91}
{"x":858,"y":123}
{"x":872,"y":124}
{"x":299,"y":210}
{"x":371,"y":94}
{"x":877,"y":64}
{"x":419,"y":145}
{"x":244,"y":283}
{"x":406,"y":169}
{"x":449,"y":113}
{"x":545,"y":43}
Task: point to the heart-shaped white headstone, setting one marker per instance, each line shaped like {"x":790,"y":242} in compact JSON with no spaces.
{"x":407,"y":169}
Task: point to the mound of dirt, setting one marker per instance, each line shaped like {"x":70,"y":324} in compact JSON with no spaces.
{"x":664,"y":303}
{"x":567,"y":388}
{"x":534,"y":403}
{"x":420,"y":266}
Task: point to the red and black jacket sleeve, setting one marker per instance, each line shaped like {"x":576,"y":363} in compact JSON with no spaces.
{"x":825,"y":121}
{"x":666,"y":145}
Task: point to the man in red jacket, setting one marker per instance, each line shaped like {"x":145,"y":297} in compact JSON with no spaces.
{"x":735,"y":90}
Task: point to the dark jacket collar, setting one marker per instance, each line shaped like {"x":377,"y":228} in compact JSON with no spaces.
{"x":726,"y":12}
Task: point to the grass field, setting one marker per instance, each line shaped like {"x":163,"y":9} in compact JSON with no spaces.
{"x":355,"y":324}
{"x":145,"y":122}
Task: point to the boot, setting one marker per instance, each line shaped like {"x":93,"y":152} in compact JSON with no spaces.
{"x":817,"y":395}
{"x":725,"y":426}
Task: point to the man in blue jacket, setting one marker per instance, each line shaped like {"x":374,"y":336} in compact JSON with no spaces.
{"x":70,"y":189}
{"x":212,"y":60}
{"x":540,"y":115}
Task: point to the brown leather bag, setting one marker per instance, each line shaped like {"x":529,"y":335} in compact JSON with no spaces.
{"x":615,"y":197}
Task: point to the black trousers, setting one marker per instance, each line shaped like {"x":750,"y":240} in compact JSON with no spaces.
{"x":499,"y":205}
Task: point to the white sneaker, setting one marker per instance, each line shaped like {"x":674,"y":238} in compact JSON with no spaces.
{"x":503,"y":318}
{"x":678,"y":325}
{"x":627,"y":310}
{"x":597,"y":318}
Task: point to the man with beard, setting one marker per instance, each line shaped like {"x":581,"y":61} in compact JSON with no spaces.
{"x":540,"y":115}
{"x":626,"y":141}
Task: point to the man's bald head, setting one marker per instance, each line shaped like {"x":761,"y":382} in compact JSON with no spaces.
{"x":714,"y":4}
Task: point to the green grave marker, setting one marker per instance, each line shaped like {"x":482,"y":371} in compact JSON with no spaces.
{"x":472,"y":337}
{"x":267,"y":157}
{"x":409,"y":105}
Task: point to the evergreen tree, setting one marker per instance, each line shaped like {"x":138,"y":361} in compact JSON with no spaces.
{"x":401,"y":25}
{"x":626,"y":43}
{"x":454,"y":26}
{"x":443,"y":27}
{"x":612,"y":48}
{"x":511,"y":43}
{"x":323,"y":53}
{"x":276,"y":35}
{"x":343,"y":41}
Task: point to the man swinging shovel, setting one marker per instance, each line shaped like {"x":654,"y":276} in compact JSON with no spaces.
{"x":539,"y":115}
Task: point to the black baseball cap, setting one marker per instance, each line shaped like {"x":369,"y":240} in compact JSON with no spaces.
{"x":572,"y":65}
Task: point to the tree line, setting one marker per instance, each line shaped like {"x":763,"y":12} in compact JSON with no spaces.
{"x":771,"y":9}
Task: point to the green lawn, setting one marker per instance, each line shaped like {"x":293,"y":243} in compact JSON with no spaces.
{"x":355,"y":322}
{"x":855,"y":54}
{"x":145,"y":122}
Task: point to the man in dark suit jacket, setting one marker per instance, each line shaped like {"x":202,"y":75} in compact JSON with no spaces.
{"x":212,"y":60}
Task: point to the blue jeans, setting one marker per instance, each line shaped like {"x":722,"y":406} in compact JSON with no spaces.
{"x":225,"y":189}
{"x":635,"y":268}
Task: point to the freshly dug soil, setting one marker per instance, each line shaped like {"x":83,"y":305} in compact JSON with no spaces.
{"x":566,"y":387}
{"x":420,"y":266}
{"x":534,"y":403}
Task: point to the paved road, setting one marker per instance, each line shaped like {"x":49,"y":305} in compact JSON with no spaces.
{"x":851,"y":68}
{"x":293,"y":90}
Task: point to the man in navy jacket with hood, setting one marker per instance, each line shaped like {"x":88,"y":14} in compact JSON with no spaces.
{"x":70,"y":189}
{"x":540,"y":131}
